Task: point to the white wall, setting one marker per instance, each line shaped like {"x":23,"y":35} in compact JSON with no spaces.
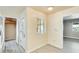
{"x":55,"y":34}
{"x":55,"y":26}
{"x":11,"y":11}
{"x":35,"y":40}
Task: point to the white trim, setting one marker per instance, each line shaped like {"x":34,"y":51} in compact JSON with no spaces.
{"x":3,"y":41}
{"x":71,"y":37}
{"x":16,"y":25}
{"x":17,"y":30}
{"x":56,"y":45}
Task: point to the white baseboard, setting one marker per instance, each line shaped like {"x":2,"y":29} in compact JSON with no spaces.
{"x":54,"y":45}
{"x":71,"y":37}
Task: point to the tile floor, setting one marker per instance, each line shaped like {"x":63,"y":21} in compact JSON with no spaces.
{"x":12,"y":47}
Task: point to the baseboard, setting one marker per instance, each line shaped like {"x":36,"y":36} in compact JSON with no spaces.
{"x":36,"y":48}
{"x":54,"y":45}
{"x":71,"y":37}
{"x":10,"y":40}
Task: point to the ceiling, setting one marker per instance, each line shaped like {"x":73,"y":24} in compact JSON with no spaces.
{"x":16,"y":10}
{"x":56,"y":8}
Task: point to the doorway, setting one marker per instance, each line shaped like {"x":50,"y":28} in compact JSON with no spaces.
{"x":11,"y":45}
{"x":71,"y":35}
{"x":10,"y":29}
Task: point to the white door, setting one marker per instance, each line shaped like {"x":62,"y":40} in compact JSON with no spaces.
{"x":2,"y":33}
{"x":17,"y":32}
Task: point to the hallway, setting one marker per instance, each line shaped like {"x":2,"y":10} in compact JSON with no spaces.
{"x":12,"y":47}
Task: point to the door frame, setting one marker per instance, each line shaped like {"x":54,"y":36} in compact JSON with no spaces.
{"x":16,"y":27}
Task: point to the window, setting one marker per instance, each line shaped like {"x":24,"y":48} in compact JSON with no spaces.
{"x":75,"y":27}
{"x":40,"y":25}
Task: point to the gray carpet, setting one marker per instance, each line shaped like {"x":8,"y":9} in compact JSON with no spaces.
{"x":69,"y":46}
{"x":47,"y":49}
